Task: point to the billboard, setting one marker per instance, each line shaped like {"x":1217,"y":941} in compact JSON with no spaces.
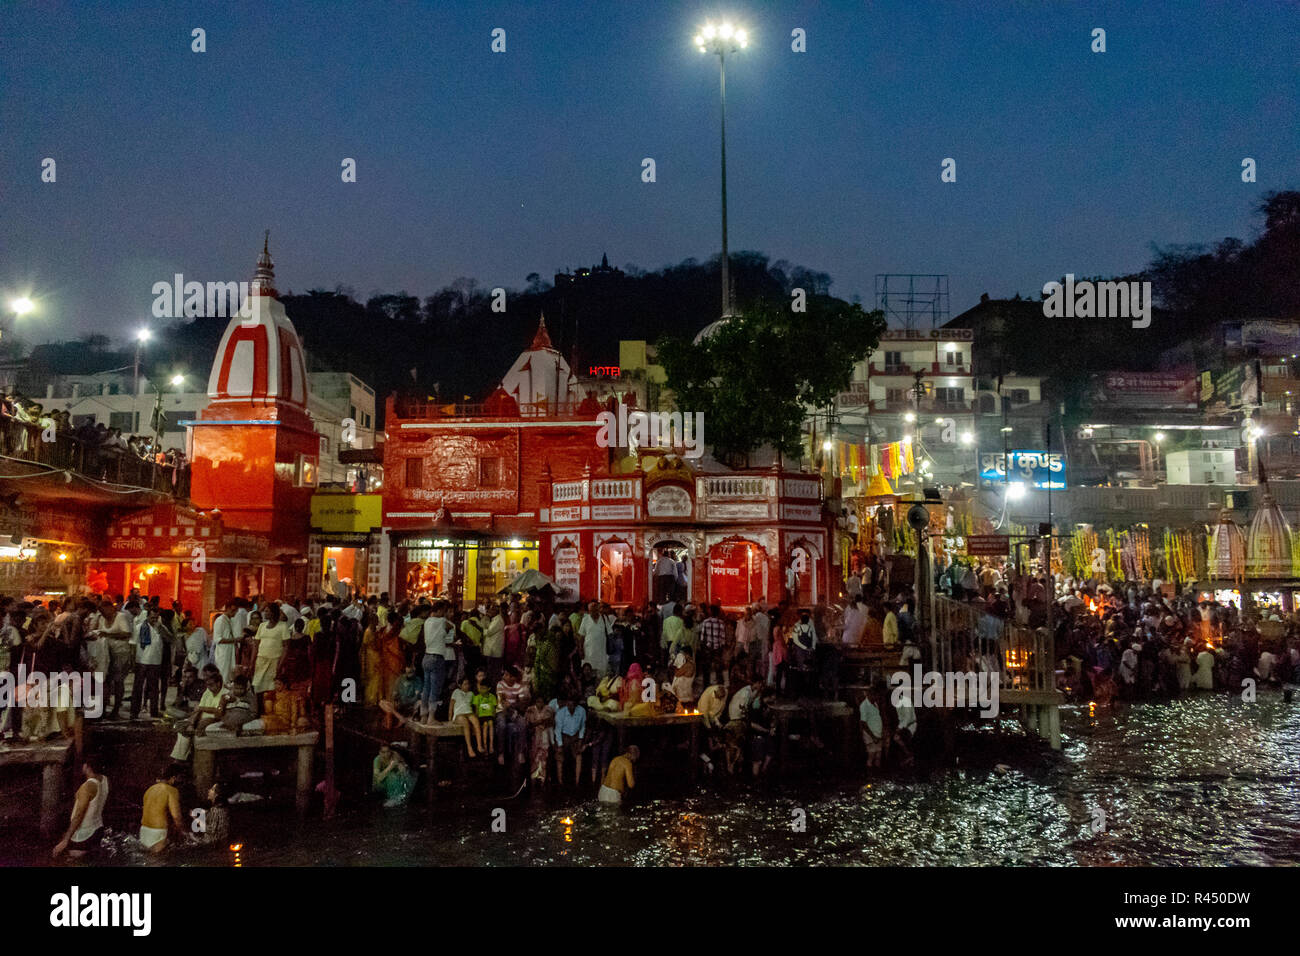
{"x":1037,"y":469}
{"x":1178,"y":389}
{"x":1232,"y":388}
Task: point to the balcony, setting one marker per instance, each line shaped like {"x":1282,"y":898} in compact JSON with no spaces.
{"x":21,"y":441}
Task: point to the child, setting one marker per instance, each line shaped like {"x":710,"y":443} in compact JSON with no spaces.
{"x":485,"y":709}
{"x":462,"y":712}
{"x":216,"y":819}
{"x":284,"y":709}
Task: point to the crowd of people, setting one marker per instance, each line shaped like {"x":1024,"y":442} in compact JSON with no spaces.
{"x":101,"y":448}
{"x":523,"y":679}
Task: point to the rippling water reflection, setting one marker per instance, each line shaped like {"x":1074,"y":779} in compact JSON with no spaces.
{"x":1205,"y":780}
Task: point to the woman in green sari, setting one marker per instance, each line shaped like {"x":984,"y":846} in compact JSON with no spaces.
{"x":546,"y":666}
{"x":392,"y":777}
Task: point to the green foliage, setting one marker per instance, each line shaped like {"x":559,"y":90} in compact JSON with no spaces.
{"x":755,"y":376}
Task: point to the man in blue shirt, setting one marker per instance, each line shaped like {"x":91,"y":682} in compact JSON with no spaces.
{"x":570,"y":729}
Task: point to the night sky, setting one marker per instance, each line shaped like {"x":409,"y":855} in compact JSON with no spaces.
{"x":497,"y":165}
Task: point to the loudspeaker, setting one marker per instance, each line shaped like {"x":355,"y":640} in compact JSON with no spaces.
{"x":918,"y":518}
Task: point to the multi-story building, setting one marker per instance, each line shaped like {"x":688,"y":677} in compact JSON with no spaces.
{"x":917,"y":385}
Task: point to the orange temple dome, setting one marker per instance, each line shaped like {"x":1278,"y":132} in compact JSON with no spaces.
{"x":260,"y":357}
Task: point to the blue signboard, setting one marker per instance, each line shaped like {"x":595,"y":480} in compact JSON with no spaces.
{"x":1036,"y":469}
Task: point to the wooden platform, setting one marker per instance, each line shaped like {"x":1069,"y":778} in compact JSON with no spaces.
{"x":622,"y":722}
{"x":52,"y":758}
{"x":783,"y":711}
{"x":206,"y":749}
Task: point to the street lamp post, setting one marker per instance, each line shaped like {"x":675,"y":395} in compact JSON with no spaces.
{"x":722,"y":40}
{"x":141,"y":337}
{"x":20,"y":307}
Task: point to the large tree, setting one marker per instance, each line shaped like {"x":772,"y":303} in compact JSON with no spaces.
{"x":755,"y":376}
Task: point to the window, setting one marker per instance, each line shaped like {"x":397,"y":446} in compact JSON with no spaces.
{"x":893,"y":360}
{"x":489,"y":472}
{"x":949,"y":397}
{"x":952,"y":358}
{"x":182,"y":415}
{"x":1018,"y":396}
{"x":367,"y":425}
{"x":896,"y":396}
{"x":415,"y":473}
{"x":125,"y":421}
{"x":306,"y":472}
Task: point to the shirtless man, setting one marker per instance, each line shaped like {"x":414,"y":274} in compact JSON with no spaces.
{"x":87,"y":826}
{"x":162,"y":807}
{"x":618,"y":778}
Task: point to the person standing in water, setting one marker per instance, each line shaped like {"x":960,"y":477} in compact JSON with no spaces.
{"x":162,"y":809}
{"x":619,"y":777}
{"x":86,"y":829}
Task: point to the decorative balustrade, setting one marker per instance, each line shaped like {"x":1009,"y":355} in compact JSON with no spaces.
{"x":566,"y":491}
{"x":734,"y":488}
{"x":617,"y":488}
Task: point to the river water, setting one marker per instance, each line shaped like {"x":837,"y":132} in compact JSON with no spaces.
{"x":1206,"y":780}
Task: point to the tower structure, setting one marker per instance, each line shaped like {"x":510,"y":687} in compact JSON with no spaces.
{"x":255,"y":451}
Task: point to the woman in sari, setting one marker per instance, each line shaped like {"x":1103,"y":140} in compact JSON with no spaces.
{"x":323,"y":650}
{"x":514,"y":638}
{"x":630,"y":695}
{"x":392,"y":658}
{"x":371,"y":678}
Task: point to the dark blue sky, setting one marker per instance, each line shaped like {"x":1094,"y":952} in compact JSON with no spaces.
{"x":494,"y":166}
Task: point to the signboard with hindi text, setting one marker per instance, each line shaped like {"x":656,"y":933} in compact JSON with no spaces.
{"x":988,"y":545}
{"x":1037,"y":469}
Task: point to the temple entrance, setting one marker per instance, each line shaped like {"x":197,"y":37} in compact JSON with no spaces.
{"x":670,"y":571}
{"x":616,"y":573}
{"x":737,"y":573}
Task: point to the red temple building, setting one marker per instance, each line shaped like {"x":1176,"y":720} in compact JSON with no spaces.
{"x":476,"y":494}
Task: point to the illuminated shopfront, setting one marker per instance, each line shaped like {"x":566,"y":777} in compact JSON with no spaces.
{"x":459,"y":570}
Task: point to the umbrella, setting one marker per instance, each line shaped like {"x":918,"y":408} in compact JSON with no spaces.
{"x":530,"y":580}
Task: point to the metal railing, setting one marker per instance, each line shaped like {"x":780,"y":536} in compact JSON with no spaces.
{"x":968,"y":640}
{"x":419,"y":411}
{"x":23,"y":441}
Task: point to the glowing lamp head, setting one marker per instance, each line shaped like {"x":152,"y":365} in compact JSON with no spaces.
{"x":22,"y":305}
{"x":909,"y":417}
{"x":742,"y":38}
{"x":827,"y":445}
{"x":967,"y":438}
{"x":1160,"y":436}
{"x":725,"y":31}
{"x":710,"y":31}
{"x":178,"y":380}
{"x":1016,"y":490}
{"x":144,"y":335}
